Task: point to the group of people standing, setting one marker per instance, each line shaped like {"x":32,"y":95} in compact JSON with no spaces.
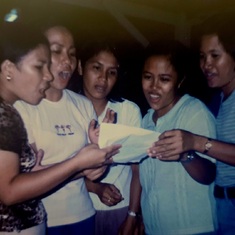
{"x":54,"y":178}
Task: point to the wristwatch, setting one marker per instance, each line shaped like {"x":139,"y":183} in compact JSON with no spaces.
{"x":208,"y":145}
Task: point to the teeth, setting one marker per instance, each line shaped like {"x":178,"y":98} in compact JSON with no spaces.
{"x":154,"y":96}
{"x":65,"y":75}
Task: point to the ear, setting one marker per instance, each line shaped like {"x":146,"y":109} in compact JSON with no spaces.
{"x":7,"y":68}
{"x":80,"y":72}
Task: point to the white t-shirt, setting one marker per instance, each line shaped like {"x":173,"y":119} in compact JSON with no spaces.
{"x":172,"y":202}
{"x":60,"y":129}
{"x":128,"y":113}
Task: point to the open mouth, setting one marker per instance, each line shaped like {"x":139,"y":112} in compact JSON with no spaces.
{"x":65,"y":75}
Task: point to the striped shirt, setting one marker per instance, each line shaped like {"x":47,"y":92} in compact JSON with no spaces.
{"x":226,"y":132}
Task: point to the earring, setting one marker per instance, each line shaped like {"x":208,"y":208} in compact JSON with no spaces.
{"x":8,"y":78}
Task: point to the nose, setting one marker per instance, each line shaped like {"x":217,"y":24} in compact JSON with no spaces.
{"x":206,"y":63}
{"x":155,"y":84}
{"x":103,"y":75}
{"x":48,"y":75}
{"x":66,"y":58}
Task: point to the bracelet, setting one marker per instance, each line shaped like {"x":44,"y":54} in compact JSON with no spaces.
{"x":131,"y":213}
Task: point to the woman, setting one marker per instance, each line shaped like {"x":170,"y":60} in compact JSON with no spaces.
{"x":25,"y":75}
{"x":99,"y":70}
{"x":175,"y":191}
{"x":59,"y":126}
{"x":217,"y":61}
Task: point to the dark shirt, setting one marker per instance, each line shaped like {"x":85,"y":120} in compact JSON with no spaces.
{"x":13,"y":137}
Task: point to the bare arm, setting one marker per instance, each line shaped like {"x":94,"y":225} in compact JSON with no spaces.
{"x":130,"y":223}
{"x":172,"y":145}
{"x":108,"y":194}
{"x":17,"y":187}
{"x":178,"y":141}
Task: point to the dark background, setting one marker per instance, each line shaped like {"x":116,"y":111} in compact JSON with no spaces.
{"x":116,"y":20}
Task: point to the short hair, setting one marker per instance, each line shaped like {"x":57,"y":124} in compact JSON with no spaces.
{"x":17,"y":40}
{"x":222,"y":26}
{"x":177,"y":53}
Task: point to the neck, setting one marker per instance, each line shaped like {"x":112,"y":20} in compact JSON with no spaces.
{"x":54,"y":95}
{"x":99,"y":106}
{"x":161,"y":112}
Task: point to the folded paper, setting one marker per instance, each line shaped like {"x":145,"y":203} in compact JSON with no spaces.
{"x":135,"y":141}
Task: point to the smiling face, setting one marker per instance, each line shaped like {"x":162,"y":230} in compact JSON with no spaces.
{"x":100,"y":74}
{"x":159,"y":83}
{"x":63,"y":56}
{"x":217,"y":65}
{"x":31,"y":77}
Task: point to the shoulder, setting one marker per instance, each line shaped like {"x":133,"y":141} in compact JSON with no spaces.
{"x":127,"y":104}
{"x":77,"y":98}
{"x":191,"y":103}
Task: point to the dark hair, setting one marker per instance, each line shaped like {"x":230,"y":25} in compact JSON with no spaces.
{"x":177,"y":53}
{"x":221,"y":25}
{"x":93,"y":48}
{"x":17,"y":40}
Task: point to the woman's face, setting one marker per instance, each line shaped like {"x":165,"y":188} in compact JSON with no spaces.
{"x":63,"y":56}
{"x":31,"y":76}
{"x":217,"y":65}
{"x":159,"y":83}
{"x":100,"y":74}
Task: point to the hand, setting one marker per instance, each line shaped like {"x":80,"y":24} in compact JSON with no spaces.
{"x":132,"y":226}
{"x":171,"y":145}
{"x":38,"y":164}
{"x":110,"y":116}
{"x":93,"y":174}
{"x":93,"y":131}
{"x":109,"y":194}
{"x":94,"y":128}
{"x":91,"y":156}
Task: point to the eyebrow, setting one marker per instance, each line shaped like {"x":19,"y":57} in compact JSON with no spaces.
{"x":59,"y":44}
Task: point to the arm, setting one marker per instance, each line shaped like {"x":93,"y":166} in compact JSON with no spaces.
{"x":174,"y":146}
{"x":131,"y":222}
{"x":178,"y":141}
{"x":17,"y":187}
{"x":107,"y":193}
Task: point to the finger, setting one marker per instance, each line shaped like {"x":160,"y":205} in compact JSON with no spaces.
{"x":112,"y":150}
{"x":39,"y":155}
{"x":92,"y":124}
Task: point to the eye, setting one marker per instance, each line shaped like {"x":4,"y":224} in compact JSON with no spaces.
{"x":72,"y":53}
{"x":201,"y":56}
{"x":113,"y":72}
{"x":215,"y":55}
{"x":165,"y":79}
{"x":55,"y":51}
{"x":39,"y":67}
{"x":146,"y":76}
{"x":96,"y":67}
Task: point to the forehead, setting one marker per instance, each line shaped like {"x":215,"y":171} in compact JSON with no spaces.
{"x":159,"y":63}
{"x":40,"y":53}
{"x":59,"y":34}
{"x":210,"y":42}
{"x":104,"y":57}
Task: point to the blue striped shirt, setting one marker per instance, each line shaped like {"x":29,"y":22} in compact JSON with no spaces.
{"x":226,"y":132}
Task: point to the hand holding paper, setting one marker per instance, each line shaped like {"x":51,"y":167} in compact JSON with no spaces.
{"x":135,"y":141}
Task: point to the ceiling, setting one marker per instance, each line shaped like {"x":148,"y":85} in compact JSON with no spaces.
{"x":127,"y":21}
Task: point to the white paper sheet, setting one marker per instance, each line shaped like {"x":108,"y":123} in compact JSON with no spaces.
{"x":135,"y":141}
